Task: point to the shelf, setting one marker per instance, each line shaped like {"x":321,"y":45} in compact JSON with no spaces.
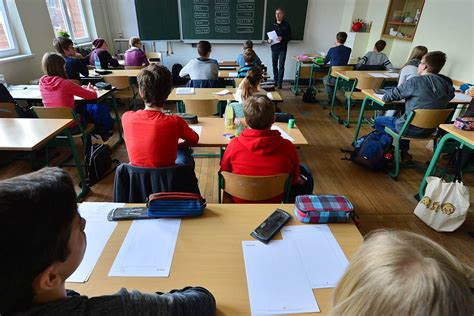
{"x":398,"y":38}
{"x":401,"y":23}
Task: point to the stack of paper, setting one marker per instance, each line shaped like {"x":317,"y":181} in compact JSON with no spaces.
{"x":283,"y":133}
{"x":98,"y":231}
{"x":181,"y":91}
{"x":462,"y":97}
{"x":233,"y":74}
{"x":378,"y":75}
{"x":392,"y":74}
{"x":223,"y":92}
{"x":274,"y":37}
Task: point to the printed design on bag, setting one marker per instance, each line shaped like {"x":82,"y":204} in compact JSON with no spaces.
{"x":445,"y":208}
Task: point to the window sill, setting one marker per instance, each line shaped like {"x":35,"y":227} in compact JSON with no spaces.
{"x":4,"y":60}
{"x":83,"y":44}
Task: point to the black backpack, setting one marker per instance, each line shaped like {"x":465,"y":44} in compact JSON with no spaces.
{"x":177,"y":80}
{"x":99,"y":163}
{"x":307,"y":185}
{"x":309,"y":95}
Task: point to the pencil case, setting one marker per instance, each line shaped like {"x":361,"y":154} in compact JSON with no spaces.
{"x":175,"y":204}
{"x":465,"y":123}
{"x":321,"y":209}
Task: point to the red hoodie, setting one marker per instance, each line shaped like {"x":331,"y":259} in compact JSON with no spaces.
{"x":261,"y":153}
{"x":60,"y":92}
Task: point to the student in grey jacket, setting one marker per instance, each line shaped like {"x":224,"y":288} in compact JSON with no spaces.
{"x":42,"y":242}
{"x":375,"y":58}
{"x":203,"y":67}
{"x":429,"y":90}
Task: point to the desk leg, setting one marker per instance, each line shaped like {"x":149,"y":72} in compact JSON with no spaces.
{"x":359,"y":121}
{"x":84,"y":187}
{"x":310,"y":83}
{"x":296,"y":89}
{"x":118,"y":120}
{"x":332,"y":113}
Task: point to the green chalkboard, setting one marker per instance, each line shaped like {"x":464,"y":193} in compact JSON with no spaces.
{"x":295,"y":14}
{"x":158,"y":19}
{"x":222,"y":19}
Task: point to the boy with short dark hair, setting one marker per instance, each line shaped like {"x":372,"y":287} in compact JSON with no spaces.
{"x":75,"y":64}
{"x":203,"y":67}
{"x":150,"y":135}
{"x":259,"y":150}
{"x":338,"y":55}
{"x":249,"y":57}
{"x":248,"y":44}
{"x":428,"y":90}
{"x":375,"y":59}
{"x":42,"y":244}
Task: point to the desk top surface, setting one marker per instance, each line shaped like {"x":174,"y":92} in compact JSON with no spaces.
{"x":209,"y":253}
{"x":213,"y":130}
{"x":467,"y":136}
{"x":29,"y":134}
{"x":228,"y":63}
{"x":459,"y":98}
{"x":32,"y":92}
{"x":210,"y":94}
{"x":356,"y":74}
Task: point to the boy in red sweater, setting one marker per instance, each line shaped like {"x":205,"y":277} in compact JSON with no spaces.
{"x":151,"y":136}
{"x":260,"y":151}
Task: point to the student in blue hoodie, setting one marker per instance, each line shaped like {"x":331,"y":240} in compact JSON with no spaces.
{"x":75,"y":63}
{"x":428,"y":90}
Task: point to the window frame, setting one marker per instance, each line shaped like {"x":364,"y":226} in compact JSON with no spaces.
{"x":14,"y":50}
{"x":65,"y":11}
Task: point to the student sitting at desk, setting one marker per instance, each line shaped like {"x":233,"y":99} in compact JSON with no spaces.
{"x":240,"y":59}
{"x":75,"y":63}
{"x":203,"y":67}
{"x":151,"y":136}
{"x":337,"y":56}
{"x":402,"y":273}
{"x":43,"y":242}
{"x":429,"y":90}
{"x":410,"y":69}
{"x":135,"y":56}
{"x":248,"y":87}
{"x":100,"y":54}
{"x":249,"y":57}
{"x":375,"y":59}
{"x":260,"y":151}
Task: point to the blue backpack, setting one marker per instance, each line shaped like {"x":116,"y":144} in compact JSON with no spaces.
{"x":104,"y":123}
{"x":373,"y":151}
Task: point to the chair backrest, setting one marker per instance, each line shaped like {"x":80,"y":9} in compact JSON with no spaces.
{"x":119,"y":82}
{"x":134,"y":184}
{"x":56,"y":113}
{"x":205,"y":83}
{"x":8,"y":110}
{"x":134,"y":67}
{"x":334,"y":69}
{"x":201,"y":107}
{"x":254,"y":188}
{"x":430,"y":118}
{"x":153,"y":56}
{"x":369,"y":83}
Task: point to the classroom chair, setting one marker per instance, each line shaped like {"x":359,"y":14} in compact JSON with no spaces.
{"x":349,"y":87}
{"x":134,"y":184}
{"x":8,"y":110}
{"x":252,"y":188}
{"x":422,"y":118}
{"x":201,"y":108}
{"x":124,"y":89}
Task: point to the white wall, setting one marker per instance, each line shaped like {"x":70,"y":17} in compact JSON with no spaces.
{"x":322,"y":23}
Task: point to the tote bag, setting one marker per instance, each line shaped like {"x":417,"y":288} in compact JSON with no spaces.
{"x":444,"y":206}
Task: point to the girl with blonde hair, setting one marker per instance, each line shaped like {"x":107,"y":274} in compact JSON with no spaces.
{"x":411,"y":66}
{"x":248,"y":87}
{"x":402,"y":273}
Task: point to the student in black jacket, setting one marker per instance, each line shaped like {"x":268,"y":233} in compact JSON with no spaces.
{"x":283,"y":30}
{"x":75,"y":63}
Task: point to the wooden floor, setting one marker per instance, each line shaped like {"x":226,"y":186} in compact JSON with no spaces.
{"x":379,"y":201}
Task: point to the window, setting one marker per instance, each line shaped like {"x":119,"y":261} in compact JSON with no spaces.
{"x":68,"y":15}
{"x":8,"y":46}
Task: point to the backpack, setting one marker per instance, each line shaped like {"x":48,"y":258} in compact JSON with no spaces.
{"x":374,"y":151}
{"x":307,"y":185}
{"x":99,"y":163}
{"x":177,"y":80}
{"x":104,"y":123}
{"x":309,"y":95}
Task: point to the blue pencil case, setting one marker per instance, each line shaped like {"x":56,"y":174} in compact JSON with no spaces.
{"x":175,"y":204}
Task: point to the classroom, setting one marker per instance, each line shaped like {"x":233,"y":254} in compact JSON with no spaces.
{"x":236,"y":157}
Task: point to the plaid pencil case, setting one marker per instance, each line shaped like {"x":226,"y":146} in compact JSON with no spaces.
{"x":175,"y":204}
{"x":323,"y":209}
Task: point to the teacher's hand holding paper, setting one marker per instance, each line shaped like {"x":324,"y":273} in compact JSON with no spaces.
{"x":273,"y":38}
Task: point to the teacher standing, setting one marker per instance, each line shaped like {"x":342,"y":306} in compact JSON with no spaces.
{"x":279,"y":47}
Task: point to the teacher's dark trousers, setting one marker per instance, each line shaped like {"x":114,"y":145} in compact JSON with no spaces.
{"x":278,"y":62}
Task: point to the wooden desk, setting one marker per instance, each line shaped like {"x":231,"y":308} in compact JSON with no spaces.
{"x":464,"y":138}
{"x":209,"y":253}
{"x":32,"y":93}
{"x":232,"y":74}
{"x":209,"y":94}
{"x":228,"y":63}
{"x":356,"y":74}
{"x":375,"y":103}
{"x":23,"y":134}
{"x":213,"y":130}
{"x":123,"y":72}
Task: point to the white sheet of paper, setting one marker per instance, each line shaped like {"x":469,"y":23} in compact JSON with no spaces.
{"x":233,"y":74}
{"x":325,"y":263}
{"x":377,"y":75}
{"x":148,"y":249}
{"x":283,"y":133}
{"x":180,"y":91}
{"x":270,"y":95}
{"x":273,"y":36}
{"x":223,"y":92}
{"x":98,"y":231}
{"x":197,"y":129}
{"x":276,"y":282}
{"x":379,"y":95}
{"x":462,"y":97}
{"x":392,"y":74}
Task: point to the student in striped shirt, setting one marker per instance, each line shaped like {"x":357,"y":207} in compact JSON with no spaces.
{"x":375,"y":60}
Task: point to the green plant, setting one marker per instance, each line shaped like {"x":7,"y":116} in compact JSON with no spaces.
{"x":62,"y":33}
